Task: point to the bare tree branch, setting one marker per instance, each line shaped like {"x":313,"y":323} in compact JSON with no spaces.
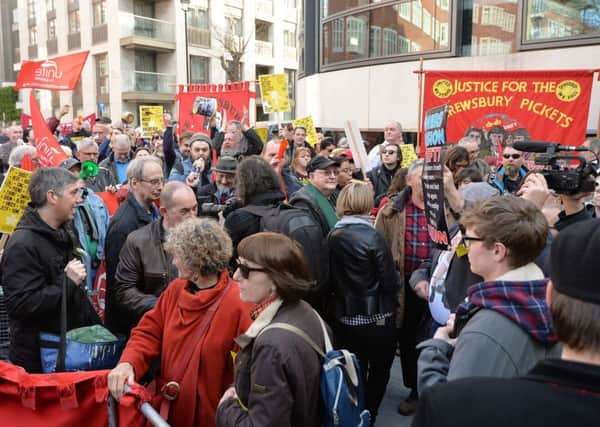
{"x":233,"y":50}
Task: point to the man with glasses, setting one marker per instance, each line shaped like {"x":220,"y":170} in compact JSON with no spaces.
{"x":393,"y":135}
{"x":145,"y":268}
{"x":504,"y":327}
{"x":221,"y":190}
{"x":510,"y":175}
{"x":316,"y":195}
{"x":381,"y":176}
{"x":145,"y":180}
{"x":87,"y":151}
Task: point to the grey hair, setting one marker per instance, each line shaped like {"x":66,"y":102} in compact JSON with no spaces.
{"x":47,"y":179}
{"x":122,"y":139}
{"x":238,"y":125}
{"x":85,"y":142}
{"x":16,"y":155}
{"x":135,"y":168}
{"x":169,"y":190}
{"x":412,"y":169}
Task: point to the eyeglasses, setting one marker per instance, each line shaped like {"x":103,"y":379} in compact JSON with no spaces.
{"x":154,"y":182}
{"x":515,"y":156}
{"x":389,"y":151}
{"x":348,"y":171}
{"x":82,"y":193}
{"x":468,"y":239}
{"x":329,"y":173}
{"x":246,"y":270}
{"x":89,"y":154}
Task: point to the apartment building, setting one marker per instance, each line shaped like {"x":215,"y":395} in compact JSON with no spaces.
{"x":138,"y":48}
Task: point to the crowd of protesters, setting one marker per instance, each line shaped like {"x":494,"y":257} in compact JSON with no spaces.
{"x":198,"y":266}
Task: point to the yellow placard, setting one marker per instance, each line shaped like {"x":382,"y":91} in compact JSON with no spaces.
{"x":308,"y":124}
{"x":274,"y":93}
{"x":262,"y":133}
{"x":408,"y":155}
{"x":151,"y":119}
{"x":14,"y":197}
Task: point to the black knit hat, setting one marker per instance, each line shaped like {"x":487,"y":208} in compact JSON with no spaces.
{"x":574,"y":266}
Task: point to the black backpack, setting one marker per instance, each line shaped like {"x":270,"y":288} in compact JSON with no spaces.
{"x":298,"y":225}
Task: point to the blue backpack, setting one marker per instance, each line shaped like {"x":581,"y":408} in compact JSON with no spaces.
{"x":342,"y":390}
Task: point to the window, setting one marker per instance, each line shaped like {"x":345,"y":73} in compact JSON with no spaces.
{"x":403,"y":45}
{"x":198,"y":27}
{"x":356,"y":34}
{"x":338,"y":35}
{"x":442,"y":4}
{"x":374,"y":41}
{"x":289,"y":38}
{"x":234,"y":26}
{"x":74,"y":22}
{"x":32,"y":36}
{"x":31,"y":9}
{"x":102,"y":76}
{"x":99,"y":8}
{"x":417,"y":10}
{"x":50,"y":6}
{"x":489,"y":28}
{"x":427,"y":22}
{"x":390,"y":41}
{"x":405,"y":10}
{"x":199,"y":69}
{"x":548,"y":20}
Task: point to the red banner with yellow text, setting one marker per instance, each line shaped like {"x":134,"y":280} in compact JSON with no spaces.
{"x":61,"y":73}
{"x":507,"y":106}
{"x":49,"y":151}
{"x":201,"y":102}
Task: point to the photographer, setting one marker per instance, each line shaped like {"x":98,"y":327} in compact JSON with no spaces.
{"x":220,"y":191}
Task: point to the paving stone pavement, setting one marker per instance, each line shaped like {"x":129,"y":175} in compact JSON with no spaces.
{"x":388,"y":415}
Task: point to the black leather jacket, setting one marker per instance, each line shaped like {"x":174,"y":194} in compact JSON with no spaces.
{"x":143,"y":273}
{"x":362,"y":272}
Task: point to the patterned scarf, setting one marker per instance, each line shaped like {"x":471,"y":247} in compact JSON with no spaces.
{"x":260,"y":307}
{"x":523,"y":302}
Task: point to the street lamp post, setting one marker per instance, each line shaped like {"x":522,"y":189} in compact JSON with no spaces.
{"x":185,"y":6}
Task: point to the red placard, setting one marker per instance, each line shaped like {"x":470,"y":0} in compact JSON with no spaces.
{"x":61,"y":73}
{"x":49,"y":151}
{"x":231,"y":100}
{"x":505,"y":106}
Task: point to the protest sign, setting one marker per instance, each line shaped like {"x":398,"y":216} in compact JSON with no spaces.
{"x":14,"y":197}
{"x":433,"y":176}
{"x":274,"y":93}
{"x":262,"y":133}
{"x":408,"y":155}
{"x":151,"y":119}
{"x":359,"y":153}
{"x":308,"y":124}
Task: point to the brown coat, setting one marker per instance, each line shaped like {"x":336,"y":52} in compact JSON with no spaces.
{"x":277,"y":373}
{"x":391,"y":222}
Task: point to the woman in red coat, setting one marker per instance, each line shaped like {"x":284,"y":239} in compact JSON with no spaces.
{"x":204,"y":298}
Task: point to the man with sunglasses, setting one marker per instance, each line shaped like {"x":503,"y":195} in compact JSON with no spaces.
{"x":381,"y":176}
{"x":503,"y":329}
{"x":510,"y":175}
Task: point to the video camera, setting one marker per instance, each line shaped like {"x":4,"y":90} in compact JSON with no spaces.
{"x":214,"y":208}
{"x":558,"y":170}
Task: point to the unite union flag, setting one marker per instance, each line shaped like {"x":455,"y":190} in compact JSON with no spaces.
{"x":61,"y":73}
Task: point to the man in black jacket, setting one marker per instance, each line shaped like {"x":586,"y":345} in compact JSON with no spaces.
{"x":39,"y":256}
{"x":556,"y":392}
{"x":145,"y":179}
{"x":221,"y":190}
{"x":237,"y":140}
{"x":381,"y":176}
{"x":144,"y":268}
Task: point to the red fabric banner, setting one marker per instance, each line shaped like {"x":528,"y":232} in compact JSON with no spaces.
{"x":61,"y":73}
{"x":25,"y":120}
{"x":91,"y":119}
{"x":231,"y":99}
{"x":507,"y":106}
{"x":49,"y":151}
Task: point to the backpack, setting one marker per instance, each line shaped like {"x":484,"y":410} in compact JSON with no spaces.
{"x":342,"y":391}
{"x":298,"y":225}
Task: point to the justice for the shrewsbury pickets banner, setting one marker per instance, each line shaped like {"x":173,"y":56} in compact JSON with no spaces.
{"x":49,"y":151}
{"x":61,"y":73}
{"x":506,"y":106}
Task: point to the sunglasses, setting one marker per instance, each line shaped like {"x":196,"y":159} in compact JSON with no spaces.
{"x":515,"y":156}
{"x":389,"y":151}
{"x":246,"y":270}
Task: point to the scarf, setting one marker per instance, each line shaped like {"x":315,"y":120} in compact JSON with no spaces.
{"x":523,"y":302}
{"x":324,"y":205}
{"x":354,"y":219}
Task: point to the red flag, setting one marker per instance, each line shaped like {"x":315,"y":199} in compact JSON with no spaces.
{"x":25,"y":120}
{"x":60,"y":73}
{"x":27,"y":163}
{"x":49,"y":151}
{"x":91,"y":118}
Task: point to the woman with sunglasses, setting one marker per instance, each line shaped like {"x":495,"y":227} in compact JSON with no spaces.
{"x":277,"y":372}
{"x":191,"y":328}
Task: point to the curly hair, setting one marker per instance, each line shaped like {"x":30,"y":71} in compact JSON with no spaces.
{"x":254,"y":175}
{"x":201,"y":244}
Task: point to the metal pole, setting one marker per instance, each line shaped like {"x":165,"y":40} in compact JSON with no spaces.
{"x":187,"y":56}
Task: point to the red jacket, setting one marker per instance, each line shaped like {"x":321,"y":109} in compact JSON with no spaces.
{"x":166,"y":330}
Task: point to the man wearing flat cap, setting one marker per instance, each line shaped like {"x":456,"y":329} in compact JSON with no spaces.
{"x":221,"y":190}
{"x":556,"y":392}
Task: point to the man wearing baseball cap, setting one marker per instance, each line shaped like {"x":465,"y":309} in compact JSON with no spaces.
{"x":556,"y":392}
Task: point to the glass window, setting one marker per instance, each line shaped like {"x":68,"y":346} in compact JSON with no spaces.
{"x":400,"y":28}
{"x":234,"y":26}
{"x":548,"y":20}
{"x":99,"y":12}
{"x":32,"y":36}
{"x":51,"y":29}
{"x":332,"y":6}
{"x":199,"y":69}
{"x":289,"y":38}
{"x":50,"y":6}
{"x":74,"y":22}
{"x":31,"y":9}
{"x":489,"y":28}
{"x":102,"y":75}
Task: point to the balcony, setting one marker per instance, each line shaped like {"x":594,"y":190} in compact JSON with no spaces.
{"x":32,"y":51}
{"x":139,"y":32}
{"x":99,"y":34}
{"x":147,"y":86}
{"x":74,"y":41}
{"x":264,"y":49}
{"x":264,"y":8}
{"x":290,"y":54}
{"x":239,"y":4}
{"x":199,"y":36}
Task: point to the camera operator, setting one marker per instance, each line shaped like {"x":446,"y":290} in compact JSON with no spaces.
{"x":219,"y":191}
